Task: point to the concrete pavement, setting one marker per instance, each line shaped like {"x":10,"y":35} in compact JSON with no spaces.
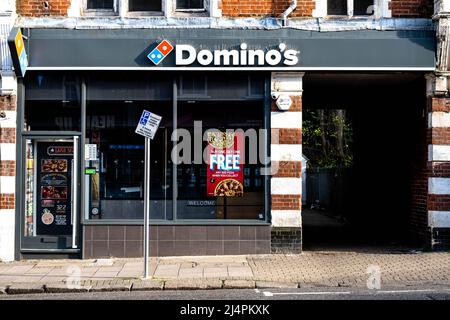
{"x":358,"y":269}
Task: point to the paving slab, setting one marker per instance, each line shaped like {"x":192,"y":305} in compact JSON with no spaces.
{"x":29,"y":279}
{"x":25,"y":288}
{"x":197,"y":284}
{"x":239,"y":284}
{"x":245,"y":272}
{"x":8,"y":279}
{"x":39,"y":271}
{"x":164,"y":271}
{"x":196,"y":272}
{"x":18,"y":269}
{"x":147,"y":285}
{"x":55,"y":279}
{"x":215,"y":272}
{"x":105,"y":274}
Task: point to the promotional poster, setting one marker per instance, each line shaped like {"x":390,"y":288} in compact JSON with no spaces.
{"x":225,"y":165}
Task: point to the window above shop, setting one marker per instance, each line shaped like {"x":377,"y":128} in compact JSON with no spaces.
{"x":189,"y":5}
{"x":100,"y":4}
{"x":135,"y":8}
{"x":100,"y":7}
{"x":352,"y":8}
{"x":144,"y":5}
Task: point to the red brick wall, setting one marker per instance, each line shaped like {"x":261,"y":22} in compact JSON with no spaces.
{"x":258,"y":8}
{"x":7,"y":135}
{"x":418,"y":219}
{"x":8,"y":103}
{"x":286,"y":202}
{"x":411,"y":8}
{"x":6,"y":201}
{"x":7,"y":168}
{"x":39,"y":8}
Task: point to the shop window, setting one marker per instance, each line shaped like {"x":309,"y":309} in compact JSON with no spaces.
{"x":197,"y":198}
{"x":114,"y":168}
{"x":144,"y":5}
{"x":52,"y":102}
{"x":115,"y":182}
{"x":350,"y":7}
{"x":189,"y":5}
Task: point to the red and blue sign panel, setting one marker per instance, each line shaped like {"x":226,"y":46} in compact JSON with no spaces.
{"x":160,"y":52}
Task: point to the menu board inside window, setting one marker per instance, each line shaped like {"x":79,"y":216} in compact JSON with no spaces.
{"x":54,"y":161}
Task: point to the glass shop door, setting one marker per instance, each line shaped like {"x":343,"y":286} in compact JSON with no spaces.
{"x":51,"y":194}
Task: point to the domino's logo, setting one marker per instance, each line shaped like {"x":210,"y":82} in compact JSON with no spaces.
{"x":160,"y":52}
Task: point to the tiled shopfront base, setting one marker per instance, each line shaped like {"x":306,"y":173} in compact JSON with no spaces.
{"x":126,"y":241}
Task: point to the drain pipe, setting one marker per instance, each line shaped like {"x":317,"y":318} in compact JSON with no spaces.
{"x":288,"y":11}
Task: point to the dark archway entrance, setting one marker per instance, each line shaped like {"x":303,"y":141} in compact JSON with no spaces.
{"x":366,"y":199}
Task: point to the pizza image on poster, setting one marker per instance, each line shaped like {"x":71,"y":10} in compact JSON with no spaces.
{"x":229,"y":188}
{"x":51,"y":192}
{"x":224,"y":165}
{"x":54,"y":165}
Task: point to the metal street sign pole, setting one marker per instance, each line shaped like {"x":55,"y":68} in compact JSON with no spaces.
{"x":146,"y":205}
{"x":147,"y":127}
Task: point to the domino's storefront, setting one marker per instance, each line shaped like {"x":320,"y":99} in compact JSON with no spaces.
{"x":81,"y":164}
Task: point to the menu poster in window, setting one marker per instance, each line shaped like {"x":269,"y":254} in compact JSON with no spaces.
{"x":54,"y":170}
{"x":225,"y":171}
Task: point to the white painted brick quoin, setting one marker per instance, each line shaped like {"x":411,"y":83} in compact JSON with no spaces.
{"x":286,"y":152}
{"x":7,"y":184}
{"x":439,"y":219}
{"x":8,"y":151}
{"x":286,"y":218}
{"x":286,"y":186}
{"x":438,"y":152}
{"x":287,"y":120}
{"x":438,"y":119}
{"x":439,"y":186}
{"x":7,"y":234}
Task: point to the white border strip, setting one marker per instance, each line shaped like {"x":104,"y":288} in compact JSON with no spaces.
{"x":439,"y":186}
{"x":439,"y":219}
{"x":286,"y":186}
{"x":235,"y":68}
{"x":7,"y":184}
{"x":286,"y":218}
{"x":438,"y":152}
{"x":8,"y":151}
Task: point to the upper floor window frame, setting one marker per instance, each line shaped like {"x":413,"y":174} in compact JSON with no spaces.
{"x":190,"y":10}
{"x":101,"y":12}
{"x":380,"y":10}
{"x":126,"y":8}
{"x":168,"y":9}
{"x":350,"y":10}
